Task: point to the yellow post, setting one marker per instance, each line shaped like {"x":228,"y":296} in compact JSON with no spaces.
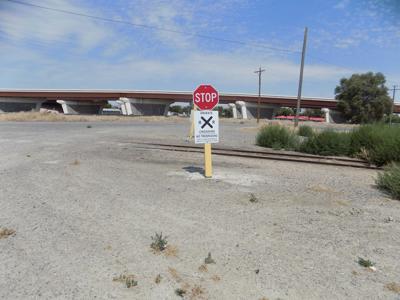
{"x":207,"y":161}
{"x":192,"y":123}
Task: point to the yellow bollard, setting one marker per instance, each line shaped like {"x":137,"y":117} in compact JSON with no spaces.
{"x":207,"y":161}
{"x":190,"y":136}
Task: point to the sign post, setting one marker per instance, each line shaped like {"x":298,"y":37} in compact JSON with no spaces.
{"x":206,"y":122}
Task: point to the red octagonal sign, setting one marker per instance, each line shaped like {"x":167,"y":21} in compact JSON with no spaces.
{"x":205,"y":97}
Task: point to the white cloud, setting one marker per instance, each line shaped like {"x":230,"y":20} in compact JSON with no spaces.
{"x":342,"y":4}
{"x":20,"y":23}
{"x":231,"y":72}
{"x":145,"y":59}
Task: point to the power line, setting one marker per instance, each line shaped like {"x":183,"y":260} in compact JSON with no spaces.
{"x":153,"y":27}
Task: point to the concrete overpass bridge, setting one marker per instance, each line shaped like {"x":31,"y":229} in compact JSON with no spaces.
{"x":149,"y":102}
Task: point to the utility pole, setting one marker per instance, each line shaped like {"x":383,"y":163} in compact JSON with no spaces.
{"x":259,"y":71}
{"x":394,"y":97}
{"x":303,"y":55}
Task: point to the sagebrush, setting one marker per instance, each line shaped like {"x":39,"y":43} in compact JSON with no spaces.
{"x":327,"y":142}
{"x":306,"y":131}
{"x":389,"y":180}
{"x":277,"y":137}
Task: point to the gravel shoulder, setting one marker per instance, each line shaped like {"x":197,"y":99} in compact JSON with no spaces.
{"x":84,"y":203}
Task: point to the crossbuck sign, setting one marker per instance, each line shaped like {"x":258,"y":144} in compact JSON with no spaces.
{"x":206,"y":127}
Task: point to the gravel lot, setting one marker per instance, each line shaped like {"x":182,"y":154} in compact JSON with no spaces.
{"x":84,"y":203}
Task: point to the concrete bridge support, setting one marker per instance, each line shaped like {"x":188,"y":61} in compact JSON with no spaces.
{"x":234,"y":110}
{"x":327,"y":113}
{"x":144,"y":107}
{"x":19,"y":104}
{"x":242,"y":109}
{"x":81,"y":107}
{"x":249,"y":110}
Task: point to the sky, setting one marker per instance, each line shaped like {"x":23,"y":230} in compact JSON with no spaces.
{"x":45,"y":49}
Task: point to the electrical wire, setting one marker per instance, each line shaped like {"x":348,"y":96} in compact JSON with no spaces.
{"x":154,"y":27}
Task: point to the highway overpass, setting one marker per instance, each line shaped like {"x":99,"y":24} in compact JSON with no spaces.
{"x":135,"y":102}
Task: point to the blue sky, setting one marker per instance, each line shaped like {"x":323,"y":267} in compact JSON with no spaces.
{"x":46,"y":49}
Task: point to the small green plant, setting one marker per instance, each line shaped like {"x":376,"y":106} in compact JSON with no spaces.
{"x":209,"y":260}
{"x":389,"y":180}
{"x":253,"y":198}
{"x":180,"y":292}
{"x":365,"y":262}
{"x":159,"y":242}
{"x":277,"y":137}
{"x":305,"y":130}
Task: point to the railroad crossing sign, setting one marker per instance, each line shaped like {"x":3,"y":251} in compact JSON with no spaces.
{"x":206,"y":126}
{"x":205,"y":97}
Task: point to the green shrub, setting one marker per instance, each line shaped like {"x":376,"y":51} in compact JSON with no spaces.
{"x":285,"y":111}
{"x":277,"y":137}
{"x":395,"y":119}
{"x":389,"y":180}
{"x":327,"y":143}
{"x":378,"y":143}
{"x":305,"y":130}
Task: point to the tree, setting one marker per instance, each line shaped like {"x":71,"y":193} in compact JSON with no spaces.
{"x":313,"y":113}
{"x":224,"y":112}
{"x":363,"y":98}
{"x":285,"y":111}
{"x":175,"y":109}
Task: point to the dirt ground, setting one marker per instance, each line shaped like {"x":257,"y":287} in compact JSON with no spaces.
{"x":85,"y":201}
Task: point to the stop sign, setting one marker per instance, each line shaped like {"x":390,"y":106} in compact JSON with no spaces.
{"x":205,"y":97}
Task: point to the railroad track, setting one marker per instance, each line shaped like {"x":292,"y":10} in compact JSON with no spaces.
{"x":269,"y":155}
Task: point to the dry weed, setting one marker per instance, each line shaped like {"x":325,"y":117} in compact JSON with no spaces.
{"x":393,"y":287}
{"x":6,"y":232}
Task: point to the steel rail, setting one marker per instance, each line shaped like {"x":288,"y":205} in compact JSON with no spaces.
{"x":299,"y":155}
{"x":263,"y":155}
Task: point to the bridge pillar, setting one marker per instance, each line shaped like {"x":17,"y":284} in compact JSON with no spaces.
{"x":125,"y":105}
{"x":122,"y":107}
{"x":144,"y":107}
{"x":242,"y":109}
{"x":234,"y":110}
{"x":249,"y":110}
{"x":327,"y":113}
{"x":12,"y":104}
{"x":81,"y":107}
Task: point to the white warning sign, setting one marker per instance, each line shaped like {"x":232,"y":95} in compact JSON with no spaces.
{"x":206,"y":127}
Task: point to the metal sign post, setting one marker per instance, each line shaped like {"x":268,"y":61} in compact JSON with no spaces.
{"x":206,"y":122}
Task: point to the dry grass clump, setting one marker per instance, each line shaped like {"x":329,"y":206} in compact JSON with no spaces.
{"x":128,"y":279}
{"x":171,"y":251}
{"x":196,"y":292}
{"x":59,"y":117}
{"x":394,"y":287}
{"x":6,"y":232}
{"x":158,"y":278}
{"x":32,"y":116}
{"x":203,"y":268}
{"x":76,"y":162}
{"x":174,"y":273}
